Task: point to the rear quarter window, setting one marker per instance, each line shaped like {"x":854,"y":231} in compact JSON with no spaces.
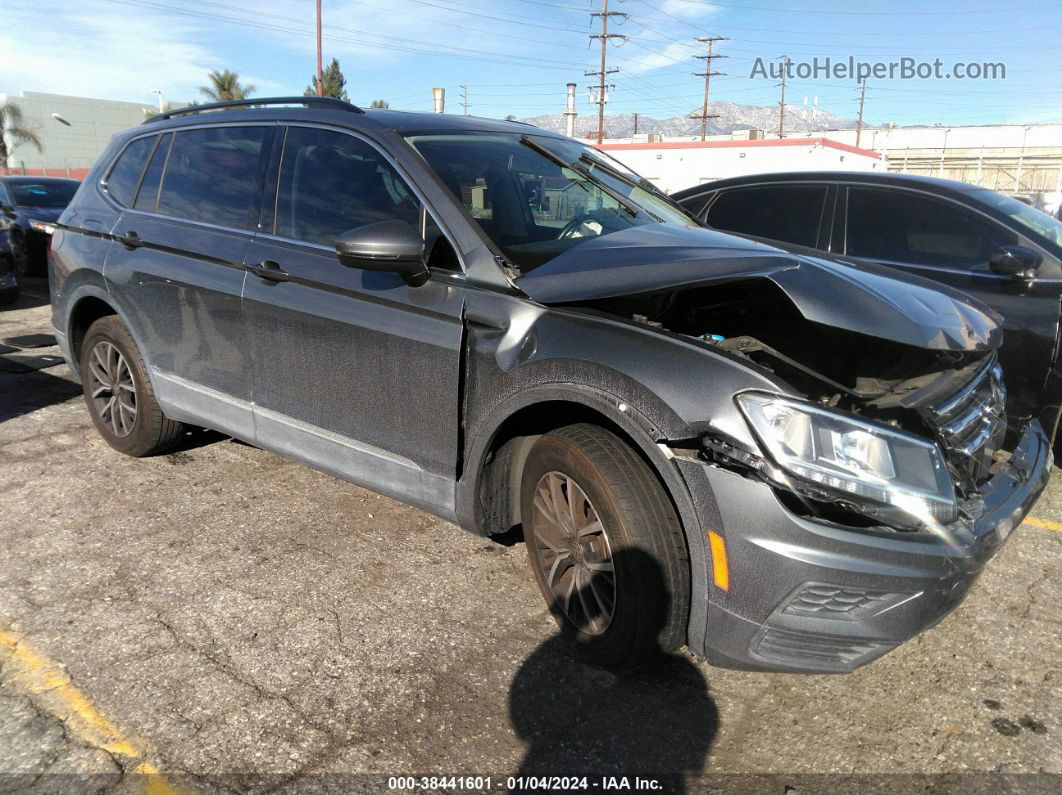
{"x":122,"y":181}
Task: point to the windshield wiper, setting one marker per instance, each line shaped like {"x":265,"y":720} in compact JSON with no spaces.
{"x":585,"y":173}
{"x":640,"y":182}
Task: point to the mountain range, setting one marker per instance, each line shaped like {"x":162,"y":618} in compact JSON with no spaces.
{"x":730,"y":117}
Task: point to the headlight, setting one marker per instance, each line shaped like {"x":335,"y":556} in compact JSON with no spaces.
{"x":881,"y":471}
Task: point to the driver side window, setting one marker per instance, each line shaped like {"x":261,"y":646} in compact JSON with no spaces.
{"x":905,"y":227}
{"x":331,"y":182}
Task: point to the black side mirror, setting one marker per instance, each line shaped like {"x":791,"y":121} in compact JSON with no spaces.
{"x":7,"y":210}
{"x":1016,"y":261}
{"x":393,"y":246}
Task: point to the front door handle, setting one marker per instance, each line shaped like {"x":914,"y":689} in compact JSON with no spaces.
{"x":130,"y":239}
{"x":268,"y":270}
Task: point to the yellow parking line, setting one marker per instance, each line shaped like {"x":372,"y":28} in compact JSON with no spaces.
{"x":1046,"y":525}
{"x":51,"y":687}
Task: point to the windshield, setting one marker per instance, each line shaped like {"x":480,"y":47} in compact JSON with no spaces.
{"x":42,"y":194}
{"x":1029,"y":218}
{"x":536,"y":196}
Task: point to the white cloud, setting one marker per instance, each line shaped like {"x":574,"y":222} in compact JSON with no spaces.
{"x":101,"y":50}
{"x":115,"y":50}
{"x":639,"y":61}
{"x":680,"y":8}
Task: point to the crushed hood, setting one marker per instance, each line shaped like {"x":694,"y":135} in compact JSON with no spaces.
{"x":863,"y":298}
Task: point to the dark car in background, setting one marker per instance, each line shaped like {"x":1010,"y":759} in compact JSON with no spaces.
{"x":784,"y":462}
{"x":991,"y":246}
{"x":28,"y":206}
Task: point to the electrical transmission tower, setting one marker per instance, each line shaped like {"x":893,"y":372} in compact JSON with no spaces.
{"x":781,"y":105}
{"x":707,"y":74}
{"x":604,"y":36}
{"x":862,"y":99}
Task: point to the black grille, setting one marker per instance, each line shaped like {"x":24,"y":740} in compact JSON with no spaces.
{"x":971,"y":426}
{"x":813,"y":651}
{"x":833,"y":601}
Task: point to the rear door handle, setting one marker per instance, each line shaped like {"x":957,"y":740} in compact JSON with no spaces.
{"x":268,"y":270}
{"x":130,"y":239}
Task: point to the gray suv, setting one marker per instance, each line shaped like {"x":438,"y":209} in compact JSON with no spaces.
{"x":785,"y":462}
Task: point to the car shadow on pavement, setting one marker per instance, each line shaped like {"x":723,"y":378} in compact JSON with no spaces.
{"x":579,"y":719}
{"x":33,"y":291}
{"x":22,"y":393}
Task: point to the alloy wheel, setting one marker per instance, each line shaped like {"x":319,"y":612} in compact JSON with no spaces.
{"x":572,"y":551}
{"x":112,"y":388}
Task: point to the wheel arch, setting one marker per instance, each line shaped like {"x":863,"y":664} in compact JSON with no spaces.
{"x":487,"y":499}
{"x":83,"y":313}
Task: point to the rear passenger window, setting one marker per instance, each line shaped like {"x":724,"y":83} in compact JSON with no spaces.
{"x":211,"y":175}
{"x":331,"y":182}
{"x":790,"y":213}
{"x":125,"y":174}
{"x":147,"y":197}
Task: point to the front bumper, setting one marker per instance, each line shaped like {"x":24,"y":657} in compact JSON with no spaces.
{"x":812,"y":597}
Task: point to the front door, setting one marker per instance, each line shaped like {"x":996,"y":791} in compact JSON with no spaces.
{"x":946,"y":242}
{"x":354,"y":371}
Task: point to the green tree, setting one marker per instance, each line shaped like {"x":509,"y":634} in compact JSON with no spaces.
{"x":379,"y":103}
{"x":333,"y":81}
{"x":510,"y":117}
{"x":13,"y":129}
{"x":225,"y":86}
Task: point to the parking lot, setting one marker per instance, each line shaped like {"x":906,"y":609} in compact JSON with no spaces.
{"x":222,"y":618}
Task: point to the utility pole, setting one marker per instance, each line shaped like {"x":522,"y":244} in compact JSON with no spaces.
{"x":707,"y":74}
{"x":604,"y":36}
{"x":781,"y":105}
{"x":464,"y":98}
{"x":635,"y":123}
{"x":320,"y":72}
{"x":862,"y":99}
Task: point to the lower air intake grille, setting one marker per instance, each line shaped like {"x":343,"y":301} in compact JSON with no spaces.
{"x":816,"y":652}
{"x":834,"y":601}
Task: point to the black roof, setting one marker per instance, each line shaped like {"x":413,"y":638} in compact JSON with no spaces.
{"x":334,"y":111}
{"x":934,"y":184}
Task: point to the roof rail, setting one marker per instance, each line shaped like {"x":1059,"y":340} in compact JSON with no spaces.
{"x":308,"y":102}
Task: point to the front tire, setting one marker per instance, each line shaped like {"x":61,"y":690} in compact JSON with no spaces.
{"x":119,"y":394}
{"x":605,"y":546}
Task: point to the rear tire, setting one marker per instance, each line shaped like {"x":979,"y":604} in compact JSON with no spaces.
{"x":118,"y":392}
{"x":21,"y":256}
{"x":605,"y":546}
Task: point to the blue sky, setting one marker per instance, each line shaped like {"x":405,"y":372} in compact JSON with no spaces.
{"x":516,"y":55}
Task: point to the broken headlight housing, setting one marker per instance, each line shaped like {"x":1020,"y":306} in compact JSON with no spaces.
{"x":880,"y":471}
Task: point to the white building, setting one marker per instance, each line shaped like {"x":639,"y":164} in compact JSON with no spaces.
{"x":677,"y":164}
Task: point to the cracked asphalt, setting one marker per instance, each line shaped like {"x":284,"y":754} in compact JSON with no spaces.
{"x":251,"y":624}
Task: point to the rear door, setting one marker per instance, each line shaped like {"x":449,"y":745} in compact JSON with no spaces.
{"x":177,"y":269}
{"x":943,"y":240}
{"x":355,"y":372}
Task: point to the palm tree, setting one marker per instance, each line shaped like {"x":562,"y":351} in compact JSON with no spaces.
{"x":225,"y":86}
{"x":12,"y":129}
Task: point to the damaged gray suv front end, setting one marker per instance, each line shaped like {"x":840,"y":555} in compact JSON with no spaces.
{"x":856,"y":498}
